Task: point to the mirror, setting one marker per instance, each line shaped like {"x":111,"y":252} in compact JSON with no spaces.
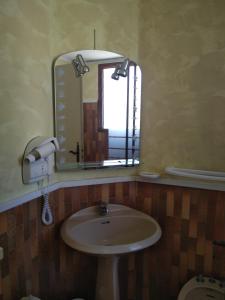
{"x":97,"y":98}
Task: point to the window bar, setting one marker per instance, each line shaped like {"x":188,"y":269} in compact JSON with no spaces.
{"x":134,"y":114}
{"x":127,"y":120}
{"x":119,"y":148}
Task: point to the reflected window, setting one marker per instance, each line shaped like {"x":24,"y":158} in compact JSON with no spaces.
{"x":119,"y":98}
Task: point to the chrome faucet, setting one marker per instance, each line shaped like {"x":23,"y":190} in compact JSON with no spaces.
{"x":103,"y":209}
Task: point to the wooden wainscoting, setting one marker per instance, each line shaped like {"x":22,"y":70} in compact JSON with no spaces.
{"x":38,"y":262}
{"x":36,"y":259}
{"x":190,"y":220}
{"x":95,"y":138}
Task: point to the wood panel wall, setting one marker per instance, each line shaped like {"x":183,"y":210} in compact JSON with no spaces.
{"x":191,"y":219}
{"x":38,"y":262}
{"x":95,"y":138}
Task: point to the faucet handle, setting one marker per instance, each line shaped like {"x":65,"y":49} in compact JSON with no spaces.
{"x":103,"y":208}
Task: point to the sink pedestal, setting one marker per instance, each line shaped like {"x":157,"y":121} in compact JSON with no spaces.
{"x":107,"y":287}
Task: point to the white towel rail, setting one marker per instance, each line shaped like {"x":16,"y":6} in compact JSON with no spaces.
{"x":198,"y":174}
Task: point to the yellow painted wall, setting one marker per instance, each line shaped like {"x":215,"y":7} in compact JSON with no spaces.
{"x":25,"y":86}
{"x":182,"y":52}
{"x":90,"y":85}
{"x":179,"y":44}
{"x":32,"y":33}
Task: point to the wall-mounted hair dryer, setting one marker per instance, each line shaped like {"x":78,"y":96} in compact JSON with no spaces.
{"x":38,"y":159}
{"x":38,"y":164}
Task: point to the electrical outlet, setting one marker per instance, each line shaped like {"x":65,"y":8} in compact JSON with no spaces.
{"x":1,"y":253}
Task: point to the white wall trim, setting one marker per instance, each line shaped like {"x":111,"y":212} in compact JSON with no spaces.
{"x":213,"y":186}
{"x":63,"y":184}
{"x":106,"y":180}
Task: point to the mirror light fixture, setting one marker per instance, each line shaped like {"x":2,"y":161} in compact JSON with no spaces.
{"x":80,"y":66}
{"x":121,"y":70}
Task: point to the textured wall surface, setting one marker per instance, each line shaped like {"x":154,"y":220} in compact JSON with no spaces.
{"x":73,"y":23}
{"x":90,"y":85}
{"x":182,"y":50}
{"x":38,"y":262}
{"x":180,"y":46}
{"x":25,"y":85}
{"x":32,"y":33}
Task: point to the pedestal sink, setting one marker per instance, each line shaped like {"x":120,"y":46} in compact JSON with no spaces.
{"x":122,"y":230}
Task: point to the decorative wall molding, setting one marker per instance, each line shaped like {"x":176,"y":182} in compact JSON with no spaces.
{"x":214,"y":186}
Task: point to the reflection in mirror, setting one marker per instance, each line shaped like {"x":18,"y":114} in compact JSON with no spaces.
{"x":97,"y":97}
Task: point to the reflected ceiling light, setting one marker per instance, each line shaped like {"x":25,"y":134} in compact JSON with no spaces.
{"x":121,"y":70}
{"x":115,"y":74}
{"x":79,"y":65}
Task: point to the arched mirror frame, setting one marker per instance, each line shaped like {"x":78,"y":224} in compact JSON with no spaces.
{"x":132,"y":139}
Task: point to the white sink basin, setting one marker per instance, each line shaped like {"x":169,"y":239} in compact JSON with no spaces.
{"x":123,"y":230}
